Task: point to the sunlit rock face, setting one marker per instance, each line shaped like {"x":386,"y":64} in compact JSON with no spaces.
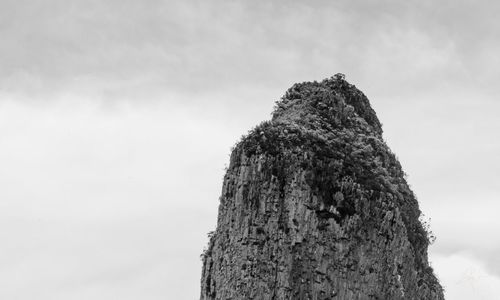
{"x":315,"y":205}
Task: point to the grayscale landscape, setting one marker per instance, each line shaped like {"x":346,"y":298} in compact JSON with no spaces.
{"x":118,"y":119}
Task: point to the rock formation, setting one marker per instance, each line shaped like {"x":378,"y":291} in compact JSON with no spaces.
{"x":315,"y":205}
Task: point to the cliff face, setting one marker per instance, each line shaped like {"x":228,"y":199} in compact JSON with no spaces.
{"x":314,"y":205}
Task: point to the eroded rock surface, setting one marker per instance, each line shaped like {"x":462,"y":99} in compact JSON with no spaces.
{"x":314,"y":205}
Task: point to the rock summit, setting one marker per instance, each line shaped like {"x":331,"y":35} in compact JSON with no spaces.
{"x":315,"y":205}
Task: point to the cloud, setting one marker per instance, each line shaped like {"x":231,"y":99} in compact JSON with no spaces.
{"x":464,"y":277}
{"x":446,"y":146}
{"x":132,"y":49}
{"x":468,"y":227}
{"x":107,"y":203}
{"x":116,"y":120}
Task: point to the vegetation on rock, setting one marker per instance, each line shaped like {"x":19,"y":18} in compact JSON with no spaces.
{"x":318,"y":177}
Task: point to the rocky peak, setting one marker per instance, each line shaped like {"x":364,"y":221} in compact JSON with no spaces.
{"x":314,"y":205}
{"x":331,"y":103}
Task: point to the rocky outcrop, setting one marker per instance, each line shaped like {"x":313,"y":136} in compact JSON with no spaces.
{"x":314,"y":205}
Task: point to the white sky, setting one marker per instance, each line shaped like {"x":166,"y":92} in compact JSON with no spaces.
{"x":117,"y":118}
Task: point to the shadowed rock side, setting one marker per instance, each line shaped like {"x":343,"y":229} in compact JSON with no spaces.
{"x":314,"y":205}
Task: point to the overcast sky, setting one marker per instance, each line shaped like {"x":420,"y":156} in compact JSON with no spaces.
{"x":117,"y":119}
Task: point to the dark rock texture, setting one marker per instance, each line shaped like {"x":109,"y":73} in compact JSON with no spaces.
{"x":314,"y":205}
